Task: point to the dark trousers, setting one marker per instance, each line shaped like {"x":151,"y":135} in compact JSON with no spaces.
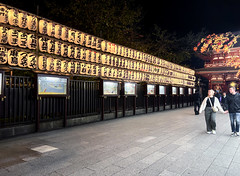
{"x":210,"y":118}
{"x":196,"y":107}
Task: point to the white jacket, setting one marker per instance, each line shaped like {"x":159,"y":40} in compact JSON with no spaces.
{"x":216,"y":105}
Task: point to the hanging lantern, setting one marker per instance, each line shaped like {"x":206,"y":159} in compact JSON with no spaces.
{"x":83,"y":68}
{"x":88,"y":41}
{"x":77,"y":54}
{"x":42,"y":62}
{"x":43,"y":44}
{"x":83,"y":39}
{"x":64,"y":35}
{"x":32,"y":61}
{"x":3,"y":55}
{"x":77,"y":39}
{"x":51,"y":30}
{"x":13,"y":17}
{"x":13,"y":57}
{"x":64,"y":50}
{"x":31,"y":41}
{"x":22,"y":39}
{"x":123,"y":51}
{"x":94,"y":42}
{"x":104,"y":59}
{"x":77,"y":68}
{"x":108,"y":60}
{"x":88,"y":55}
{"x":3,"y":35}
{"x":94,"y":71}
{"x":50,"y":64}
{"x":88,"y":69}
{"x":71,"y":67}
{"x":43,"y":26}
{"x":109,"y":47}
{"x":71,"y":35}
{"x":98,"y":57}
{"x":83,"y":54}
{"x":103,"y":71}
{"x":104,"y":45}
{"x":57,"y":65}
{"x":22,"y":21}
{"x":64,"y":66}
{"x":71,"y":51}
{"x":58,"y":46}
{"x":32,"y":23}
{"x":93,"y":56}
{"x":58,"y":31}
{"x":22,"y":59}
{"x":51,"y":46}
{"x":13,"y":37}
{"x":3,"y":14}
{"x":98,"y":43}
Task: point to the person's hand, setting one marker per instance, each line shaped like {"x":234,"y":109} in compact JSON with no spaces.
{"x":225,"y":112}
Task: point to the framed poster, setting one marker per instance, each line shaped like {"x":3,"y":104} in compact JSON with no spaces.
{"x":162,"y":90}
{"x":110,"y":88}
{"x":49,"y":85}
{"x":181,"y":91}
{"x":1,"y":84}
{"x":189,"y":91}
{"x":129,"y":88}
{"x":151,"y":89}
{"x":174,"y":91}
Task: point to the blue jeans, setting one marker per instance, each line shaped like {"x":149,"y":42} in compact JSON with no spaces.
{"x":235,"y":121}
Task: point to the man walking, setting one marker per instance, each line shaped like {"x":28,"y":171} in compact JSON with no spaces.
{"x":197,"y":102}
{"x":232,"y":105}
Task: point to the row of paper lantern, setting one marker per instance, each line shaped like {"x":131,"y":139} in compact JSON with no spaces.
{"x":23,"y":19}
{"x":24,"y":40}
{"x":29,"y":60}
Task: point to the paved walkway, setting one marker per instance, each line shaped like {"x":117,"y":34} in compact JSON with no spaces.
{"x":165,"y":143}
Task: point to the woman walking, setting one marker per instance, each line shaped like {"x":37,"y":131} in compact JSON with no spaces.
{"x":211,"y":105}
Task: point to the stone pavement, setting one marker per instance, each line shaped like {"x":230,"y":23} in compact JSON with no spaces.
{"x":162,"y":143}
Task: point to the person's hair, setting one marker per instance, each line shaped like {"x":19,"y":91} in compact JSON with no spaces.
{"x":232,"y":87}
{"x":212,"y":91}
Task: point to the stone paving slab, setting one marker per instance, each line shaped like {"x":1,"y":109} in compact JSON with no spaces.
{"x":161,"y":143}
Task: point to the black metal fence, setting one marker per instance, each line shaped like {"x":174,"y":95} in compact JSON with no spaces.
{"x":20,"y":103}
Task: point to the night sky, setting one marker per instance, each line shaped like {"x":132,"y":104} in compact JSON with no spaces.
{"x":182,"y":16}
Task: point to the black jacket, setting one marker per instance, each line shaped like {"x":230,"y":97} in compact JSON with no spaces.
{"x":232,"y":103}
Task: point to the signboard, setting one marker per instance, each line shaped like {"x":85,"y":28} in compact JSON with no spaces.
{"x":174,"y":91}
{"x":181,"y":91}
{"x":1,"y":84}
{"x":162,"y":90}
{"x":189,"y":91}
{"x":110,"y":88}
{"x":129,"y":88}
{"x":49,"y":85}
{"x":151,"y":89}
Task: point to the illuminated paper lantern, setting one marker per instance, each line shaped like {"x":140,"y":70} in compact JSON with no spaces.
{"x":64,"y":35}
{"x":3,"y":14}
{"x":98,"y":43}
{"x":78,"y":68}
{"x":93,"y":56}
{"x":83,"y":39}
{"x":112,"y":61}
{"x":58,"y":46}
{"x":64,"y":66}
{"x":50,"y":64}
{"x":71,"y":35}
{"x":22,"y":59}
{"x":77,"y":39}
{"x":3,"y":55}
{"x":104,"y":59}
{"x":22,"y":39}
{"x":43,"y":44}
{"x":83,"y":54}
{"x":42,"y":62}
{"x":77,"y":54}
{"x":108,"y":60}
{"x":58,"y":31}
{"x":31,"y":41}
{"x":113,"y":46}
{"x":83,"y":68}
{"x":71,"y":51}
{"x":64,"y":50}
{"x":123,"y":51}
{"x":13,"y":37}
{"x":104,"y":46}
{"x":13,"y":57}
{"x":88,"y":55}
{"x":57,"y":65}
{"x":51,"y":30}
{"x":88,"y":69}
{"x":98,"y":57}
{"x":32,"y":23}
{"x":94,"y":71}
{"x":71,"y":67}
{"x":94,"y":42}
{"x":3,"y":35}
{"x":51,"y":46}
{"x":109,"y":47}
{"x":32,"y":61}
{"x":13,"y":17}
{"x":22,"y":21}
{"x":88,"y":41}
{"x":43,"y":26}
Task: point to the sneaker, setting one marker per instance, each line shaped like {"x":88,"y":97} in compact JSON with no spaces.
{"x":237,"y":133}
{"x":209,"y":132}
{"x":232,"y":134}
{"x":214,"y":132}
